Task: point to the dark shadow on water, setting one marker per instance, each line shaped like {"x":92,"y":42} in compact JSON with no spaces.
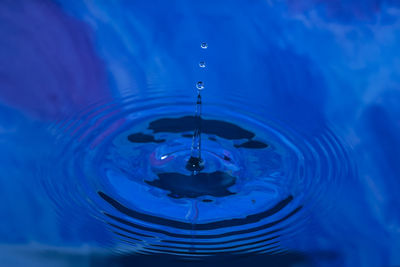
{"x":290,"y":259}
{"x":143,"y":138}
{"x":192,"y":186}
{"x":252,"y":218}
{"x":252,"y":144}
{"x":37,"y":255}
{"x":222,"y":129}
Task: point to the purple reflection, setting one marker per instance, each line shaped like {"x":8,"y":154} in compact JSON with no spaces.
{"x":48,"y":67}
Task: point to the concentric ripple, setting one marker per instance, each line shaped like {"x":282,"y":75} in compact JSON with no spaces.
{"x":123,"y":163}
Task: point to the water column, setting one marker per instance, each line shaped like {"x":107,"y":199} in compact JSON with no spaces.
{"x":195,"y":162}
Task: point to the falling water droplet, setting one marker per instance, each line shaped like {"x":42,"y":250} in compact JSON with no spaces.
{"x":202,"y":64}
{"x":204,"y":45}
{"x":200,"y":85}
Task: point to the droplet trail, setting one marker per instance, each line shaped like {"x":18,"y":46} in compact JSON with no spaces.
{"x":200,"y":85}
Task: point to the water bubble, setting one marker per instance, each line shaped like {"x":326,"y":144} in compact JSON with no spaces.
{"x":200,"y":85}
{"x":202,"y":64}
{"x":204,"y":45}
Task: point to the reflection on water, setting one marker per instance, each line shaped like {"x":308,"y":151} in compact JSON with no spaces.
{"x":300,"y":133}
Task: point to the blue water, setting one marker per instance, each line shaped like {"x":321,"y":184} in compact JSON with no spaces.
{"x":300,"y":136}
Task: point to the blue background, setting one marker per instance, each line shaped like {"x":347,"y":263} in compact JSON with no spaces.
{"x":304,"y":63}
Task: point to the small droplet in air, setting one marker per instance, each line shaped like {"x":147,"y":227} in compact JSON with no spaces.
{"x":204,"y":45}
{"x":202,"y":64}
{"x":200,"y":85}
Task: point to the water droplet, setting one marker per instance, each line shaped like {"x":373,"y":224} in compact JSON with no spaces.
{"x":204,"y":45}
{"x":200,"y":85}
{"x":202,"y":64}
